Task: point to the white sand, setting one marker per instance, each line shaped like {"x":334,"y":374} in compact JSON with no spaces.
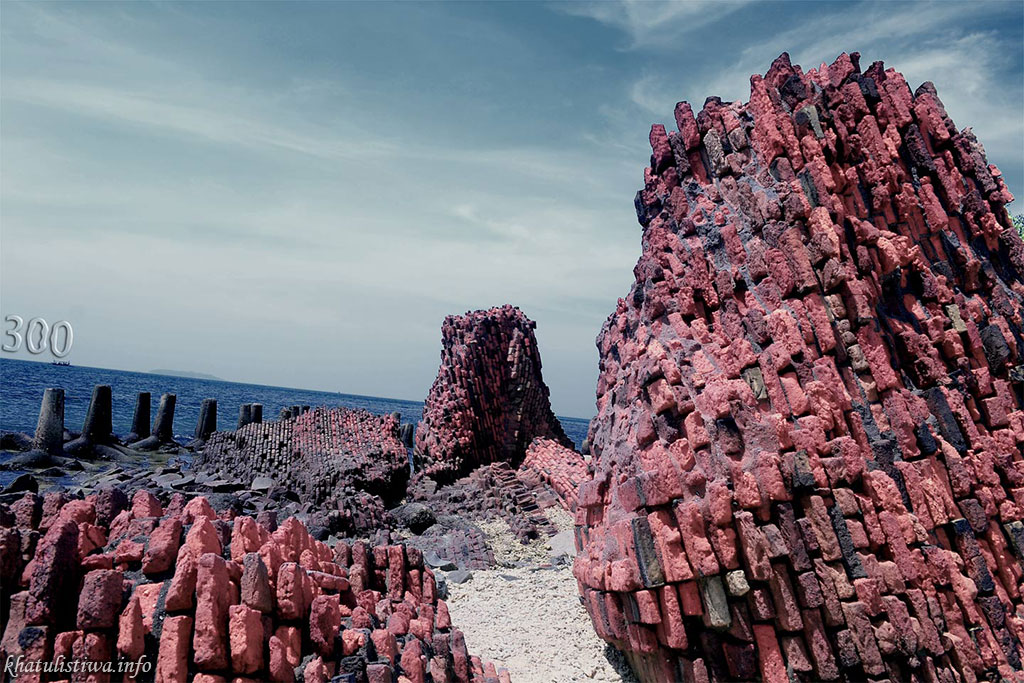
{"x":530,"y":620}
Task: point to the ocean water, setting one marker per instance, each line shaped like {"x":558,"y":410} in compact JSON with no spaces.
{"x":22,"y":384}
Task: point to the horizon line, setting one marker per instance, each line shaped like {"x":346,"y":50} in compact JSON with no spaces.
{"x":253,"y":384}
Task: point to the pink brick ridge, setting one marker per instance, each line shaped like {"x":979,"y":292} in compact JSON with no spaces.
{"x":561,"y":468}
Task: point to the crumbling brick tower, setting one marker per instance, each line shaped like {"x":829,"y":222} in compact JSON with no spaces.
{"x":489,"y":400}
{"x":809,"y":407}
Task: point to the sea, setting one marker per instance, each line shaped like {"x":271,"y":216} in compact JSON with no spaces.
{"x":22,"y":384}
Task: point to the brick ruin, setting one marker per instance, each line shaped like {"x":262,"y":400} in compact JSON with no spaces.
{"x":807,"y":449}
{"x":489,"y":492}
{"x":211,"y":597}
{"x":489,"y":400}
{"x":549,"y":464}
{"x":324,"y":455}
{"x":222,"y":593}
{"x":806,"y":463}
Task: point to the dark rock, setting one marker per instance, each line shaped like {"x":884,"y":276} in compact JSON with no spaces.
{"x":328,"y":458}
{"x":15,"y":441}
{"x":997,"y":351}
{"x":433,"y":561}
{"x":460,"y":576}
{"x":23,"y":482}
{"x":262,"y":484}
{"x":255,"y":584}
{"x":414,"y":516}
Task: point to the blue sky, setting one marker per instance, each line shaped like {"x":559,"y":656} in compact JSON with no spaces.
{"x":297,"y":194}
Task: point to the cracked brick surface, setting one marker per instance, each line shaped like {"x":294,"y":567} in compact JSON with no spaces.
{"x":807,"y":448}
{"x":549,"y":464}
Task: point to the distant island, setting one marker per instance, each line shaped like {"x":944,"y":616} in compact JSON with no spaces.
{"x":185,"y":373}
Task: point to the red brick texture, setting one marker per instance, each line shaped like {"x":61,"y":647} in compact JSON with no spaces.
{"x":489,"y":400}
{"x":322,"y":455}
{"x":807,"y":448}
{"x":241,"y":601}
{"x":560,"y":468}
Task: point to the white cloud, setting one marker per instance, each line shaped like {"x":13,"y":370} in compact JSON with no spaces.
{"x":653,"y":22}
{"x":316,"y":231}
{"x":649,"y":92}
{"x":967,"y":72}
{"x":191,"y":114}
{"x":889,"y":31}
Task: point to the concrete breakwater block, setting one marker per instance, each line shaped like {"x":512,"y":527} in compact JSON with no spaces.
{"x":162,"y":436}
{"x":46,"y":447}
{"x":97,"y":432}
{"x":206,"y":423}
{"x":140,"y":418}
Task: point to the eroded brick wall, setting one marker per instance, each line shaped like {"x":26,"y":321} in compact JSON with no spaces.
{"x":322,"y":455}
{"x":550,"y":463}
{"x":808,"y":440}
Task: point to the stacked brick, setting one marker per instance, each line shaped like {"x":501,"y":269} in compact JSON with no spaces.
{"x":209,"y":597}
{"x":489,"y":400}
{"x":466,"y":548}
{"x":550,"y":463}
{"x":489,"y":492}
{"x":323,"y":455}
{"x":807,"y":448}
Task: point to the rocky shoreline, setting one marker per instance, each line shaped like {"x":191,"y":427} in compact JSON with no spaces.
{"x":808,"y":456}
{"x":329,"y":508}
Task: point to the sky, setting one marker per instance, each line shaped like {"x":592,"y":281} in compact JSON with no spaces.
{"x":297,"y":194}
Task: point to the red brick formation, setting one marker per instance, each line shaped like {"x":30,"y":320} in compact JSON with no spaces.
{"x":489,"y":400}
{"x":212,"y":597}
{"x":807,"y":446}
{"x":322,"y":455}
{"x":550,"y":463}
